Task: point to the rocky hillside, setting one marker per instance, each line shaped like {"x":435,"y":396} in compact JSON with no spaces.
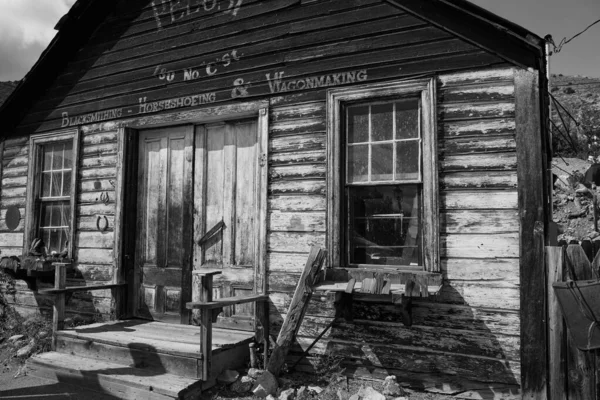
{"x":6,"y":89}
{"x":580,"y":96}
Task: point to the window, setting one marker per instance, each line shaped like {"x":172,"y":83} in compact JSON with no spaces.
{"x":51,"y":193}
{"x":383,"y":205}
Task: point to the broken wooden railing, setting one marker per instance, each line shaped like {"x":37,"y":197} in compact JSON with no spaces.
{"x":210,"y":310}
{"x":62,"y":293}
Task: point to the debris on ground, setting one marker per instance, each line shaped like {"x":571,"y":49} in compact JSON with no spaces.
{"x":572,"y":201}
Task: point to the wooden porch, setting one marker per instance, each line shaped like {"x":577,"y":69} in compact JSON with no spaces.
{"x":145,"y":359}
{"x":140,"y":359}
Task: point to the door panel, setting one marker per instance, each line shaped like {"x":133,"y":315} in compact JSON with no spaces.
{"x":164,"y":224}
{"x":226,"y":190}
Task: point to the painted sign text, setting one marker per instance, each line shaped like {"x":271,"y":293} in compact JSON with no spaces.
{"x":179,"y":102}
{"x":277,"y":84}
{"x":205,"y":69}
{"x":167,"y":12}
{"x":90,"y":118}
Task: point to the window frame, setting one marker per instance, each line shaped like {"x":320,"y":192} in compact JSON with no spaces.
{"x":34,"y":174}
{"x":336,"y":100}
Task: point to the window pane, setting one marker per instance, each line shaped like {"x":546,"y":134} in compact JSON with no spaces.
{"x":407,"y":119}
{"x":47,"y":152}
{"x":358,"y":124}
{"x":66,"y":191}
{"x":382,"y":122}
{"x":358,"y":163}
{"x":56,"y":188}
{"x":385,"y":224}
{"x":407,"y":160}
{"x":46,"y":181}
{"x":382,"y":162}
{"x":68,"y":156}
{"x":57,"y":159}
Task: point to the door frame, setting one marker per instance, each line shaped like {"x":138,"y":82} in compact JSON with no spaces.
{"x":126,"y":188}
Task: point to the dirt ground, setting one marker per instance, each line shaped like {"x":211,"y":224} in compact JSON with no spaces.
{"x":15,"y":383}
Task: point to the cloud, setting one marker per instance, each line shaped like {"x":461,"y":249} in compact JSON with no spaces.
{"x":26,"y":28}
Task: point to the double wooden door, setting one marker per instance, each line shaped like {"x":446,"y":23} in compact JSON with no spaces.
{"x":192,"y":179}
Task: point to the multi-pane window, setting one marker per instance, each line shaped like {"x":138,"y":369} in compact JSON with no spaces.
{"x":51,"y":193}
{"x":383,"y":183}
{"x":55,"y":196}
{"x":382,"y":208}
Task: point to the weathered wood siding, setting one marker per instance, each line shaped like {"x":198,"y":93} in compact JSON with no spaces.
{"x":471,"y":328}
{"x":13,"y":191}
{"x":93,"y":249}
{"x":146,"y":60}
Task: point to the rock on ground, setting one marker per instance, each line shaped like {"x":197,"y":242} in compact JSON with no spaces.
{"x":265,"y":385}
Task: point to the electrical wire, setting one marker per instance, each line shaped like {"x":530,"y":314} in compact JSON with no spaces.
{"x":564,"y":41}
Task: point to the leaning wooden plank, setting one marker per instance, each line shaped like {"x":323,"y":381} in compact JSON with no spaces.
{"x":225,"y":302}
{"x":297,"y":309}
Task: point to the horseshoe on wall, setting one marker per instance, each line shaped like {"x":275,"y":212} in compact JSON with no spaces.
{"x":102,"y":227}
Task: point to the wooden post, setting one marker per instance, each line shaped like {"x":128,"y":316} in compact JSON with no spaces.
{"x":206,"y":296}
{"x":261,"y":328}
{"x":534,"y":218}
{"x":58,"y":314}
{"x":556,"y":343}
{"x":297,"y":309}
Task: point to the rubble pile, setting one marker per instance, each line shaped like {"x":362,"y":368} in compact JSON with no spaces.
{"x":262,"y":384}
{"x":572,"y":202}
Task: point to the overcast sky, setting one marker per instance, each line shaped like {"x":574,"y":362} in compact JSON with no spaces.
{"x":27,"y":26}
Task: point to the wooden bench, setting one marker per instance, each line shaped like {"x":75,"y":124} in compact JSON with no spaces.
{"x":210,"y":309}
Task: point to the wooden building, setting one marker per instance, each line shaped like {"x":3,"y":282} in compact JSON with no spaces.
{"x":406,"y":137}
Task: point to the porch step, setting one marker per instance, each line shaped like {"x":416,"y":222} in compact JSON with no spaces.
{"x":155,"y":347}
{"x":114,"y":379}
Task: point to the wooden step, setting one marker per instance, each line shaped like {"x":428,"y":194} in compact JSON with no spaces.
{"x":114,"y":379}
{"x":155,"y":346}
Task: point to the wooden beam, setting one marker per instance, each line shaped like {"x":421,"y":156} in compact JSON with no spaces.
{"x":227,"y":301}
{"x":73,"y":289}
{"x":533,"y":223}
{"x":297,"y":309}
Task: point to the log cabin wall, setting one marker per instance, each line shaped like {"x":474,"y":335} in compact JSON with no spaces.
{"x":148,"y":58}
{"x":471,"y":328}
{"x":93,"y":249}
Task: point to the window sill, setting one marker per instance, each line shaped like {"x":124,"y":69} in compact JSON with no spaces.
{"x":379,"y":281}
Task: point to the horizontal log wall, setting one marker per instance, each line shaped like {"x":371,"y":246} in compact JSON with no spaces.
{"x":464,"y":340}
{"x":471,"y":328}
{"x":93,"y":248}
{"x":15,"y":159}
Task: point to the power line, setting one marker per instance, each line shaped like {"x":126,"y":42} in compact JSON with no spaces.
{"x":564,"y":41}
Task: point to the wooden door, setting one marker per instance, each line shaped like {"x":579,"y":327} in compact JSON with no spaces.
{"x":164,"y":224}
{"x":226,"y":191}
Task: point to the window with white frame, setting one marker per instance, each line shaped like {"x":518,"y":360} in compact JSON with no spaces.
{"x":383,"y":212}
{"x":51,"y":184}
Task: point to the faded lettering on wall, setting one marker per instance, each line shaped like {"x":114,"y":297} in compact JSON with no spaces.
{"x":205,"y":69}
{"x":167,"y":12}
{"x":277,"y":84}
